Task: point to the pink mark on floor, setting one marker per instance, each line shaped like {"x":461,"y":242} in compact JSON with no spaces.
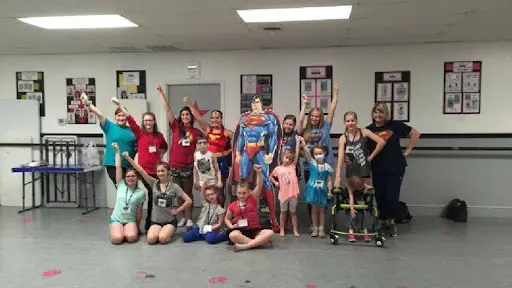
{"x":27,"y":219}
{"x":51,"y":273}
{"x":310,"y":286}
{"x":447,"y":233}
{"x":142,"y":274}
{"x":218,"y":280}
{"x":83,"y":221}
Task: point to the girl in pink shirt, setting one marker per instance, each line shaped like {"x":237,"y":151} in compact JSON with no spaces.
{"x":285,"y":177}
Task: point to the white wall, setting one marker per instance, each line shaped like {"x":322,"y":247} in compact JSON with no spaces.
{"x":353,"y":69}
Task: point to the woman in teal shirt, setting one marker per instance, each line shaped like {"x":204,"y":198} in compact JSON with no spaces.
{"x":118,"y":132}
{"x":125,"y":219}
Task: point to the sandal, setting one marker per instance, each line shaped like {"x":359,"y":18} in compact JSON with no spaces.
{"x":321,"y":232}
{"x":315,"y":232}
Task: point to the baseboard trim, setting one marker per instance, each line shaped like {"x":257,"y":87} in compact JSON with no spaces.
{"x":473,"y":211}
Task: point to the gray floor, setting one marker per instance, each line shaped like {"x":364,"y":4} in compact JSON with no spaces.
{"x":430,"y":252}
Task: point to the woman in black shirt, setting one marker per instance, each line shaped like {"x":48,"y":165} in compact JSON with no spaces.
{"x":388,"y":167}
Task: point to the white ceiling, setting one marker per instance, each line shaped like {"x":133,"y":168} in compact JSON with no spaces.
{"x":215,"y":25}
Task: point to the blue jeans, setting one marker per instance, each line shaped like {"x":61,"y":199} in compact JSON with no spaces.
{"x":210,"y":237}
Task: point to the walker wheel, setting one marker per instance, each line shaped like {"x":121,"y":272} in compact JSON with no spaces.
{"x":334,"y":239}
{"x":379,"y":241}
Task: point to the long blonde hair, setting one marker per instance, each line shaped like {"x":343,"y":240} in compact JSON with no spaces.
{"x":307,"y":131}
{"x":347,"y":114}
{"x":382,"y":108}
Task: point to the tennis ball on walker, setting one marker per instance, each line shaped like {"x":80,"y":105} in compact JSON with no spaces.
{"x":336,"y":190}
{"x":114,"y":100}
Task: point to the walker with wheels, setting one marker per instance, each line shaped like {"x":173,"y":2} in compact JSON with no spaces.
{"x":341,"y":203}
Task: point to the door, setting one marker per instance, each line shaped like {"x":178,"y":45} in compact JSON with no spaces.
{"x":206,"y":97}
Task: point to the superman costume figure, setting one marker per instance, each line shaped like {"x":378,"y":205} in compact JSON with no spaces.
{"x":257,"y":140}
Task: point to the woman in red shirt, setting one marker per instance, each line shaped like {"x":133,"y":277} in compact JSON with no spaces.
{"x":247,"y":232}
{"x":151,"y":145}
{"x":183,"y":147}
{"x":219,"y":142}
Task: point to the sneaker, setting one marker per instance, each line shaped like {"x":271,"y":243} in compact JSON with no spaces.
{"x":351,"y":238}
{"x":393,"y":232}
{"x":190,"y":223}
{"x":182,"y":222}
{"x":367,"y":238}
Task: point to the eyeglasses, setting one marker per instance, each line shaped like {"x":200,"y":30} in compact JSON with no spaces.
{"x":202,"y":142}
{"x":130,"y":176}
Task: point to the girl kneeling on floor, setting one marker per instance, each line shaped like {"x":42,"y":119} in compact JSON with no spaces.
{"x":125,"y":219}
{"x":211,"y":219}
{"x":165,"y":192}
{"x":242,"y":217}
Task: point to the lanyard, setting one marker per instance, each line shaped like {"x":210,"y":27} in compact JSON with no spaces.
{"x":152,"y":140}
{"x":208,"y":214}
{"x":241,"y":208}
{"x":126,"y":200}
{"x":160,"y":187}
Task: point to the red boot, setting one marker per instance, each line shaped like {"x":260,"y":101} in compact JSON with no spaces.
{"x":269,"y":195}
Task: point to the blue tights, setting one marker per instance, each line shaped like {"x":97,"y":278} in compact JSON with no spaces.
{"x":210,"y":237}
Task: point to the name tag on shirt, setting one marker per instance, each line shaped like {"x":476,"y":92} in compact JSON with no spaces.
{"x":319,"y":183}
{"x":242,"y":223}
{"x":162,"y":203}
{"x":207,"y":228}
{"x":185,"y":142}
{"x":152,"y":149}
{"x":127,"y":210}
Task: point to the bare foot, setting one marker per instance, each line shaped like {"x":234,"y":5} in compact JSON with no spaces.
{"x":296,"y":233}
{"x":281,"y":234}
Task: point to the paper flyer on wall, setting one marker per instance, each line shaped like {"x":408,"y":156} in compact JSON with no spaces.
{"x":131,"y":84}
{"x":30,"y":86}
{"x":316,"y":83}
{"x":393,"y":88}
{"x":462,"y":87}
{"x":452,"y":103}
{"x":471,"y":103}
{"x":77,"y":112}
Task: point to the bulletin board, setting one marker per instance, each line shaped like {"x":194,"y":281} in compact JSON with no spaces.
{"x":131,"y":84}
{"x":255,"y":84}
{"x":462,"y":87}
{"x":394,"y":89}
{"x":30,"y":86}
{"x":77,"y":112}
{"x":316,"y":84}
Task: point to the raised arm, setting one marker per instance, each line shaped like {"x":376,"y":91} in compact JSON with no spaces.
{"x":302,"y":115}
{"x":380,"y":143}
{"x":414,"y":136}
{"x":341,"y":159}
{"x":256,"y":192}
{"x":139,"y":169}
{"x":197,"y":116}
{"x":119,"y":167}
{"x":131,"y":121}
{"x":334,"y":103}
{"x":167,"y":107}
{"x":94,"y":110}
{"x":305,"y":149}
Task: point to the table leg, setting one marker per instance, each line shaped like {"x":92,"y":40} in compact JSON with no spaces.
{"x":94,"y":208}
{"x":23,"y":195}
{"x":33,"y":191}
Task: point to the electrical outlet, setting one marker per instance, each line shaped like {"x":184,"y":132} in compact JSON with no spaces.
{"x":61,"y":121}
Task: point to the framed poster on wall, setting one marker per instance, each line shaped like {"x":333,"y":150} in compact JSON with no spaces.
{"x":316,"y":84}
{"x":30,"y":86}
{"x":462,"y":87}
{"x":255,"y":84}
{"x":394,"y":89}
{"x":76,"y":111}
{"x":131,"y":84}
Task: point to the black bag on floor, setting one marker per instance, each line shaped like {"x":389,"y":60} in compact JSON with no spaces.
{"x":403,"y":216}
{"x":456,"y":210}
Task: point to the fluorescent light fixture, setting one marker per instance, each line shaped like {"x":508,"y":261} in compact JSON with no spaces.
{"x":80,"y":22}
{"x":295,"y":14}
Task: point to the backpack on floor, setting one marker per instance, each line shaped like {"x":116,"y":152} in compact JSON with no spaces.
{"x":456,"y":210}
{"x":403,"y":216}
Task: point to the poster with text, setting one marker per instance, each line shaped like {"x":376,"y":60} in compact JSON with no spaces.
{"x":131,"y":84}
{"x":394,"y":89}
{"x":316,"y":84}
{"x":252,"y":85}
{"x":76,"y":111}
{"x":30,"y":86}
{"x":462,"y":87}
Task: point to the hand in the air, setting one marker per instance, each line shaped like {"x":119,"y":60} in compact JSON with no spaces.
{"x":185,"y":99}
{"x":126,"y":155}
{"x":159,"y":89}
{"x":114,"y":145}
{"x":304,"y":99}
{"x":115,"y":101}
{"x":336,"y":88}
{"x":257,"y":168}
